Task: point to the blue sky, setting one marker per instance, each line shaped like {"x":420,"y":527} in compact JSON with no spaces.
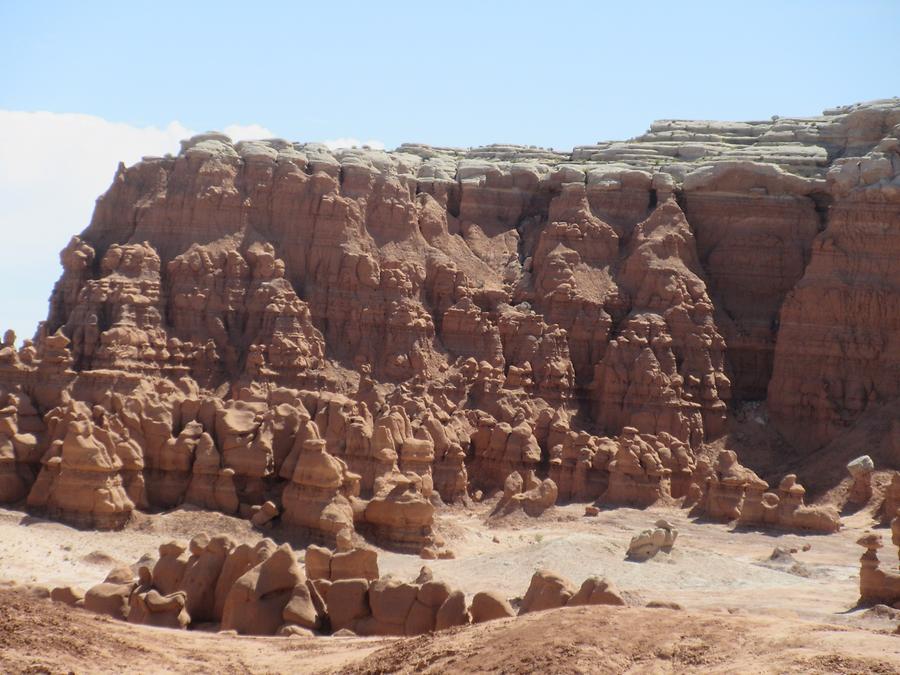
{"x":551,"y":74}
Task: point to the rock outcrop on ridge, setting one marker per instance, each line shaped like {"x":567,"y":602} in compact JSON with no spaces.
{"x":356,"y":336}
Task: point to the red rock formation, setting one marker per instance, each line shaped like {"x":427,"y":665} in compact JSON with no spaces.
{"x":316,"y":500}
{"x":835,"y":356}
{"x":353,"y":337}
{"x":527,"y":493}
{"x":637,"y":474}
{"x":400,"y":513}
{"x":875,"y":584}
{"x":21,"y":431}
{"x":755,"y":225}
{"x":80,"y":481}
{"x":732,"y":492}
{"x":891,"y":504}
{"x":665,"y":370}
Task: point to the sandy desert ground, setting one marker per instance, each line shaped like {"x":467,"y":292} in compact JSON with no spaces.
{"x":737,"y":610}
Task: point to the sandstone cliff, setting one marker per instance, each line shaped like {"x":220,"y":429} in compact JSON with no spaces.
{"x":369,"y":333}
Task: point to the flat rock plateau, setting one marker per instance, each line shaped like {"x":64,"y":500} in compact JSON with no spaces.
{"x":629,"y":408}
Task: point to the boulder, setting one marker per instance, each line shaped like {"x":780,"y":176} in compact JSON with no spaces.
{"x":291,"y":630}
{"x":169,"y":568}
{"x":490,"y":605}
{"x":596,"y":591}
{"x":547,"y":590}
{"x":256,"y":602}
{"x":452,"y":612}
{"x":266,"y":513}
{"x":109,"y":598}
{"x":240,"y":560}
{"x":68,"y":595}
{"x":301,"y":609}
{"x":347,"y":601}
{"x":149,"y":607}
{"x":390,"y":601}
{"x":317,"y":561}
{"x":357,"y":563}
{"x":648,"y":543}
{"x":433,"y":593}
{"x":201,"y":575}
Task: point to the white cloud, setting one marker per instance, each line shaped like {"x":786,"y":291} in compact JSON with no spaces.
{"x":352,"y":143}
{"x":246,"y":132}
{"x":53,"y":167}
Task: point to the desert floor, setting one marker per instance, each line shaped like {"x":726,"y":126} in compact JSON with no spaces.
{"x":740,"y":610}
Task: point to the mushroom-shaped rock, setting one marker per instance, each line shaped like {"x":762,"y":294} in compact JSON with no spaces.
{"x":88,"y":491}
{"x":860,"y":470}
{"x":316,"y":498}
{"x":875,"y":584}
{"x":870,"y":541}
{"x":399,"y":513}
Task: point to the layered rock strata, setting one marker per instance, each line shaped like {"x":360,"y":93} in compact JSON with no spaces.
{"x":357,"y":336}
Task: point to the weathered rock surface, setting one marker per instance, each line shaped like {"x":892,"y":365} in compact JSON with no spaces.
{"x":265,"y":590}
{"x":529,"y":494}
{"x":877,"y":585}
{"x":547,"y":590}
{"x":646,"y":545}
{"x":860,"y":470}
{"x":69,"y":595}
{"x":256,"y":603}
{"x":489,"y":605}
{"x":597,"y":591}
{"x":729,"y":491}
{"x":340,"y":341}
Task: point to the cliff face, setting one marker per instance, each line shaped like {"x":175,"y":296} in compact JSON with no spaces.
{"x":838,"y":348}
{"x":506,"y":306}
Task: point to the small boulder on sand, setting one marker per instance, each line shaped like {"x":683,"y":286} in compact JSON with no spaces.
{"x":648,"y":543}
